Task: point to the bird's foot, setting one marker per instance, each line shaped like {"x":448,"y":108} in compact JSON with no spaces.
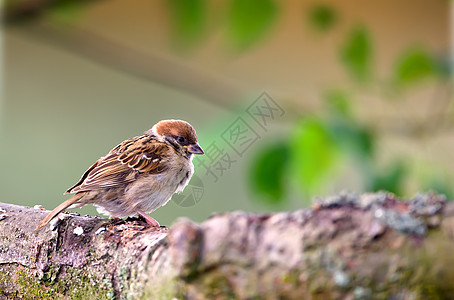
{"x":148,"y":219}
{"x":117,"y":221}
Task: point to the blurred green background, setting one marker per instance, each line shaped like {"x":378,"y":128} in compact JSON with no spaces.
{"x":362,"y":96}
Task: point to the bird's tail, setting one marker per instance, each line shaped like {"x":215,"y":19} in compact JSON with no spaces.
{"x":58,"y":210}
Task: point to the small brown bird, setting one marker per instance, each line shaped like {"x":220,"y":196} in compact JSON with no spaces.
{"x":139,"y":175}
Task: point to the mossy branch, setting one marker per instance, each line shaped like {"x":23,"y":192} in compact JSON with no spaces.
{"x":370,"y":246}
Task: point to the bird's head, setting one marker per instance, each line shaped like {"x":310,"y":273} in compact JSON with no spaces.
{"x":179,"y":134}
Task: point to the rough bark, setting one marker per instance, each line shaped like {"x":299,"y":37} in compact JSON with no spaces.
{"x":370,"y":246}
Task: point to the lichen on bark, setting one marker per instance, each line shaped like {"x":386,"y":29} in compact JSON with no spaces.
{"x":348,"y":246}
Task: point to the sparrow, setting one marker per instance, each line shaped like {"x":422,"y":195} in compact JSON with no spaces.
{"x":139,"y":175}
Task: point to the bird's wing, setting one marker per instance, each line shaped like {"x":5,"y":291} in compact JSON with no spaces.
{"x":124,"y":164}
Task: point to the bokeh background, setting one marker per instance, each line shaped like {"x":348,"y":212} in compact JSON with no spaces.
{"x":291,"y":99}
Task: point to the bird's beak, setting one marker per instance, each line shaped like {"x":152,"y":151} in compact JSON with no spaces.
{"x":195,"y":149}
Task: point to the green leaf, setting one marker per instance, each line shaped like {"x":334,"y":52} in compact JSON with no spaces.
{"x":442,"y":185}
{"x":249,"y":21}
{"x":322,"y":17}
{"x":357,"y":140}
{"x":391,"y":180}
{"x":413,"y":65}
{"x":338,"y":102}
{"x":314,"y":153}
{"x":189,"y":21}
{"x":268,"y":172}
{"x":66,"y":11}
{"x":356,"y":54}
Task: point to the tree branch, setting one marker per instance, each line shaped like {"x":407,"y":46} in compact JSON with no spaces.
{"x":149,"y":66}
{"x":347,"y":246}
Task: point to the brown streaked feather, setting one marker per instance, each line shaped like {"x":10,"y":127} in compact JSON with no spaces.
{"x":82,"y":178}
{"x":58,"y":210}
{"x":124,"y":164}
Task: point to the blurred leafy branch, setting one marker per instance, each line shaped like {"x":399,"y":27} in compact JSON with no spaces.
{"x":318,"y":144}
{"x":63,"y":11}
{"x":246,"y":22}
{"x":336,"y":136}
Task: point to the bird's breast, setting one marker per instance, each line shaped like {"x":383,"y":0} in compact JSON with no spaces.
{"x":152,"y":191}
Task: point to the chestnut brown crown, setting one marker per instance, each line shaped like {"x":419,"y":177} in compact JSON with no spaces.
{"x":180,"y":134}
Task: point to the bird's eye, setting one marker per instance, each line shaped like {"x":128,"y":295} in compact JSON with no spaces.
{"x":181,"y":139}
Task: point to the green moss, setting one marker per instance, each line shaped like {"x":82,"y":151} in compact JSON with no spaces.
{"x":170,"y":288}
{"x":76,"y":284}
{"x":28,"y":287}
{"x":124,"y":273}
{"x":50,"y":276}
{"x":217,"y":286}
{"x":291,"y":278}
{"x":211,"y":285}
{"x":5,"y":279}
